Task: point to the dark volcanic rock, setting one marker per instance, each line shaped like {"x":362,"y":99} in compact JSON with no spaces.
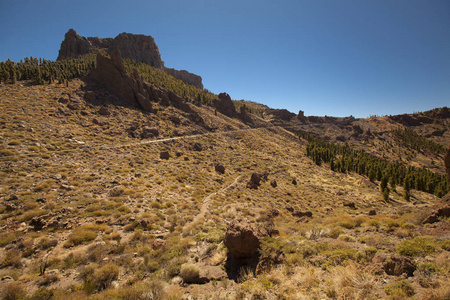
{"x":299,"y":213}
{"x":241,"y":239}
{"x":224,"y":105}
{"x":38,"y":223}
{"x":219,"y":168}
{"x":149,"y":132}
{"x":132,"y":90}
{"x":256,"y":179}
{"x":440,"y":212}
{"x":186,"y":77}
{"x":282,"y":114}
{"x":164,"y":155}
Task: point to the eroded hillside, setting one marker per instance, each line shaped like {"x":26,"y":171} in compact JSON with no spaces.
{"x":105,"y":200}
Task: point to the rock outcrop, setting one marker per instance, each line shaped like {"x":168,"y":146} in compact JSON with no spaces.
{"x":241,"y":239}
{"x":186,"y":77}
{"x":224,"y":105}
{"x":141,"y":48}
{"x":110,"y":73}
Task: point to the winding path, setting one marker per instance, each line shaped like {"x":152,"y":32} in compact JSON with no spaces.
{"x":207,"y":199}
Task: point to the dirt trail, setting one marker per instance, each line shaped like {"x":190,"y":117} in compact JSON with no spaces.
{"x":207,"y":199}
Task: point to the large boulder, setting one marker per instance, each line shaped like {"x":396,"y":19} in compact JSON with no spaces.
{"x":241,"y":239}
{"x":224,"y":105}
{"x":255,"y":180}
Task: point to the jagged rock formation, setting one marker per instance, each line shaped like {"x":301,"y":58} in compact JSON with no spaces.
{"x":186,"y":77}
{"x":224,"y":105}
{"x":111,"y":74}
{"x":282,"y":114}
{"x":141,"y":48}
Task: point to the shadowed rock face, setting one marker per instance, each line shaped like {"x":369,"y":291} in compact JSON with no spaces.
{"x":141,"y":48}
{"x":111,"y":74}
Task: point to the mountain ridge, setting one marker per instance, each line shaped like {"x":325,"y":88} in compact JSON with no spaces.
{"x":141,"y":48}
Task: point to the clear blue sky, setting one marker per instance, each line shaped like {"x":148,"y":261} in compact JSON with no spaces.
{"x":326,"y":57}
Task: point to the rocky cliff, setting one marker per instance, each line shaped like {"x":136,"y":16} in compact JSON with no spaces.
{"x":141,"y":48}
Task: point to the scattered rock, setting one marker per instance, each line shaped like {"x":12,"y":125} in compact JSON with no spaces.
{"x":9,"y":207}
{"x":149,"y":132}
{"x":210,"y":273}
{"x":219,"y":168}
{"x":299,"y":213}
{"x":177,"y":280}
{"x":90,"y":96}
{"x":273,"y":212}
{"x":241,"y":239}
{"x":6,"y":279}
{"x":98,"y":122}
{"x":273,"y":183}
{"x":64,"y":111}
{"x":37,"y":223}
{"x":256,"y":179}
{"x":349,"y":204}
{"x":441,"y":212}
{"x":67,"y":187}
{"x":73,"y":106}
{"x":197,"y":147}
{"x":104,"y":111}
{"x":13,"y":198}
{"x":63,"y":100}
{"x":164,"y":155}
{"x":158,"y":243}
{"x":175,"y":120}
{"x":41,"y":200}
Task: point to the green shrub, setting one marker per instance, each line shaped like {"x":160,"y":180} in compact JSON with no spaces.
{"x":105,"y":275}
{"x":419,"y":246}
{"x":189,"y":272}
{"x":13,"y":291}
{"x":400,"y":289}
{"x":42,"y":294}
{"x":12,"y":258}
{"x":81,"y":235}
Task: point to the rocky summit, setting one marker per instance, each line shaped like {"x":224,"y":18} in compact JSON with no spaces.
{"x":119,"y":181}
{"x":138,"y":47}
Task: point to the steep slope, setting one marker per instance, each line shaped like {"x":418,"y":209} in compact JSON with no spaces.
{"x":115,"y":188}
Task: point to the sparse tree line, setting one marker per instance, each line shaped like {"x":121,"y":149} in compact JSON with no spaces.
{"x":408,"y":138}
{"x":162,"y":79}
{"x":42,"y":71}
{"x":342,"y":158}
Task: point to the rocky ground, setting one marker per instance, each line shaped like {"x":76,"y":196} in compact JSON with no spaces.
{"x":107,"y":201}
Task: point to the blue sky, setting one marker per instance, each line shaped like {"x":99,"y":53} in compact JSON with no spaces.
{"x":326,"y":57}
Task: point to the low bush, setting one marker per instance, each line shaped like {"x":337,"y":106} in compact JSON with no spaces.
{"x":81,"y":235}
{"x":419,"y":246}
{"x":189,"y":272}
{"x":400,"y":289}
{"x":13,"y":291}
